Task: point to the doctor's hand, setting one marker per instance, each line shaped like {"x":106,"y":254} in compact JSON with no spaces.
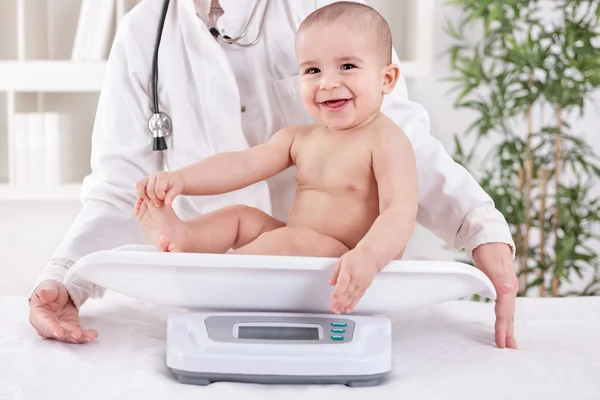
{"x":160,"y":188}
{"x":54,"y":316}
{"x":352,"y":276}
{"x":496,"y":261}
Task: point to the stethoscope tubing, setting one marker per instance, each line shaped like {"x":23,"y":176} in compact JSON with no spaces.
{"x":159,"y":123}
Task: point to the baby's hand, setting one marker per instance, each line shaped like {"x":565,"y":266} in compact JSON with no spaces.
{"x":351,"y":276}
{"x":160,"y":188}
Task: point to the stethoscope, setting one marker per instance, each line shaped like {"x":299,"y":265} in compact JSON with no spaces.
{"x":159,"y":123}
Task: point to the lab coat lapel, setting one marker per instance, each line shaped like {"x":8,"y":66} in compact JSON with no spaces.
{"x":218,"y":108}
{"x":205,"y":109}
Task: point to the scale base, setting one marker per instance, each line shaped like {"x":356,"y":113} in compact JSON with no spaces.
{"x":203,"y":348}
{"x":204,"y":379}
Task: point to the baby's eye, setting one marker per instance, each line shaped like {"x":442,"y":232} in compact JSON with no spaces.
{"x":348,"y":66}
{"x":312,"y":71}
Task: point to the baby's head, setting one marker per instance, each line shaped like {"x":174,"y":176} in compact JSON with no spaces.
{"x":345,"y":55}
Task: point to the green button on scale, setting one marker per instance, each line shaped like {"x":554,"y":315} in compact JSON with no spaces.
{"x":338,"y":330}
{"x":339,"y":324}
{"x":337,"y":337}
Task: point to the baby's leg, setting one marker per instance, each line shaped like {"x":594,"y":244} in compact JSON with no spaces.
{"x":294,"y":241}
{"x":215,"y":232}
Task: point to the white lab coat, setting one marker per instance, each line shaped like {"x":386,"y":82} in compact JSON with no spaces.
{"x":203,"y":86}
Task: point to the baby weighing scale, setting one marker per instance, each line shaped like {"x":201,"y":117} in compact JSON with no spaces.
{"x":266,"y":319}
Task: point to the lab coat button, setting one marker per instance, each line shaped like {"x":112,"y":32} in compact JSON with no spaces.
{"x":243,"y":108}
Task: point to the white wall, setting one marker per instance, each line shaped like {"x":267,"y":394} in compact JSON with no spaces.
{"x":30,"y":231}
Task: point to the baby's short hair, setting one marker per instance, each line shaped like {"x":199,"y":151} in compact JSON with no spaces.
{"x":364,"y":16}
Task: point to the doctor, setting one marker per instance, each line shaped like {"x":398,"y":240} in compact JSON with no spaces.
{"x":222,"y":97}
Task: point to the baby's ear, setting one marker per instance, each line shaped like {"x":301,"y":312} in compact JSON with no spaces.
{"x":391,"y":74}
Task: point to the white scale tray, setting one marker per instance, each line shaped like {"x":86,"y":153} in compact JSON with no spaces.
{"x":231,"y":282}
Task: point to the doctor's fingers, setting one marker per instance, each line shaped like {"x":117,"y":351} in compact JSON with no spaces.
{"x":504,"y":327}
{"x":66,"y":332}
{"x":76,"y":334}
{"x":511,"y":343}
{"x":47,"y":325}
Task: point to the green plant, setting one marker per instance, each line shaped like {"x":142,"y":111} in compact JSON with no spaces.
{"x":527,"y":74}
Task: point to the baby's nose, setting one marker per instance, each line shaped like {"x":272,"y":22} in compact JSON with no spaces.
{"x":329,"y":83}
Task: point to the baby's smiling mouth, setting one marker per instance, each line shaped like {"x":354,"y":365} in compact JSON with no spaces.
{"x":335,"y":103}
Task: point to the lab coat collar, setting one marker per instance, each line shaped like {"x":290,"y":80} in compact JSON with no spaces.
{"x":205,"y":7}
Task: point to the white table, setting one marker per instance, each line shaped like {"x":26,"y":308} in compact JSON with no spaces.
{"x":442,"y":352}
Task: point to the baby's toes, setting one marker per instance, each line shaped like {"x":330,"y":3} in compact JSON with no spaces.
{"x":173,"y":249}
{"x":142,"y":208}
{"x":164,"y":243}
{"x":136,"y":207}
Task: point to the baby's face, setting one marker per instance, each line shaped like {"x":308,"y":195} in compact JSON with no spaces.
{"x":342,"y":76}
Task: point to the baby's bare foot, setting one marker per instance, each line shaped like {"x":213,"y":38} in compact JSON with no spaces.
{"x":163,"y":227}
{"x":164,"y":243}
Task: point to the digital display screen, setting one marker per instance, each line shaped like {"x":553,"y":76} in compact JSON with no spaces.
{"x":278,"y":333}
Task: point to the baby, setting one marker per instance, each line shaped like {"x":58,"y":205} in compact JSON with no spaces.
{"x":356,"y":196}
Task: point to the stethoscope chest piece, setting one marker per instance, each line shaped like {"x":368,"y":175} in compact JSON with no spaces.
{"x":159,"y":123}
{"x":160,"y":126}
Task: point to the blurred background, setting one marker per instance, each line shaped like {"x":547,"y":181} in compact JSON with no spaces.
{"x":510,"y":87}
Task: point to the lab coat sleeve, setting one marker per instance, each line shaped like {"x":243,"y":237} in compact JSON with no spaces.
{"x":121,"y":155}
{"x":452,"y":204}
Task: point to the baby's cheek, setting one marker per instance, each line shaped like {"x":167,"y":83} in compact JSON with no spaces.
{"x":308,"y":99}
{"x":371,"y":100}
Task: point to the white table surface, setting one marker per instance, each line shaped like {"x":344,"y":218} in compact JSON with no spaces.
{"x":442,"y":352}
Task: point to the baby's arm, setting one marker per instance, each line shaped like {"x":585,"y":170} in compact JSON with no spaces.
{"x":226,"y":172}
{"x":394,"y":166}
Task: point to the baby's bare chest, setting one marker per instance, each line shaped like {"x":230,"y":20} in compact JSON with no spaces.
{"x":334,"y":167}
